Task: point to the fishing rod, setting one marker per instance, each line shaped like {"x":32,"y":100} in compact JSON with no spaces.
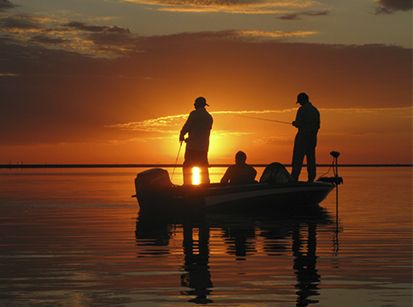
{"x":176,"y":160}
{"x":266,"y":119}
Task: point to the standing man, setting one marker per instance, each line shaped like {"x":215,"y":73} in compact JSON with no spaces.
{"x":308,"y":122}
{"x":198,"y":126}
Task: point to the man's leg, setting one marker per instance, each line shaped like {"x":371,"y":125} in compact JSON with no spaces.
{"x":196,"y":158}
{"x":205,"y":174}
{"x":311,"y":164}
{"x":203,"y":164}
{"x":187,"y":167}
{"x":298,"y":157}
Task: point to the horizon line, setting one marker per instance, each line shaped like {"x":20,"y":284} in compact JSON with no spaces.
{"x":143,"y":165}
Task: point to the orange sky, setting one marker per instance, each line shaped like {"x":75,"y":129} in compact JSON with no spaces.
{"x":100,"y":94}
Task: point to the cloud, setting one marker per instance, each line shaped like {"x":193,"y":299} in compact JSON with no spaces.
{"x":392,"y":6}
{"x":226,"y":6}
{"x":7,"y":75}
{"x":92,"y":40}
{"x":19,"y":22}
{"x":96,"y":29}
{"x":161,"y":124}
{"x":47,"y":40}
{"x":5,"y":5}
{"x":273,"y":34}
{"x":299,"y":15}
{"x":237,"y":35}
{"x":110,"y":41}
{"x":172,"y":123}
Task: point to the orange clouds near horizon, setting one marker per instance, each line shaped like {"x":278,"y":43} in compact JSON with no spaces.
{"x":362,"y":135}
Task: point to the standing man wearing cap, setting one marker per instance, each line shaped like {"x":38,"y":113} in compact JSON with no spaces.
{"x":307,"y":121}
{"x":198,"y":126}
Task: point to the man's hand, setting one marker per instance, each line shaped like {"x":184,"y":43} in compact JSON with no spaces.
{"x":181,"y":137}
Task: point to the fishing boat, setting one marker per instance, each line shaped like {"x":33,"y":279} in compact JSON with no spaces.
{"x":156,"y":193}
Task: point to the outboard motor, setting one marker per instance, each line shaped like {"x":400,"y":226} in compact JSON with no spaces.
{"x":152,"y":183}
{"x":275,"y":173}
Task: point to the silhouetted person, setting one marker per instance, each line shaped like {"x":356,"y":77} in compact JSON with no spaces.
{"x":308,"y":122}
{"x":198,"y":126}
{"x":240,"y":172}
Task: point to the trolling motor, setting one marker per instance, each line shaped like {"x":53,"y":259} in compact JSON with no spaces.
{"x":336,"y":179}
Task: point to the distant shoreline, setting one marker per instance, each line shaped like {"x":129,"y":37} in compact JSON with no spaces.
{"x":138,"y":165}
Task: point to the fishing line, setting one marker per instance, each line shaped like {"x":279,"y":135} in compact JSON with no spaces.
{"x":265,"y":119}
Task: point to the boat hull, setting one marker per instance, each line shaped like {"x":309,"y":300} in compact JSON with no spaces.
{"x":221,"y":197}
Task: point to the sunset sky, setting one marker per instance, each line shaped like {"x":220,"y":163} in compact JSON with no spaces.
{"x":112,"y":81}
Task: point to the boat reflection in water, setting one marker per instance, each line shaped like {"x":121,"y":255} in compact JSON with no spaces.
{"x":274,"y":238}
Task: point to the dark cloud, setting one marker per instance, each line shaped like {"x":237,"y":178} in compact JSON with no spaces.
{"x":97,"y":29}
{"x":112,"y":39}
{"x":391,"y":6}
{"x":94,"y":40}
{"x":298,"y":16}
{"x":18,"y":22}
{"x":44,"y":39}
{"x":6,"y":4}
{"x":105,"y":37}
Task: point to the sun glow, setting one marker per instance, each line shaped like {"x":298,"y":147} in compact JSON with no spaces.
{"x":221,"y":144}
{"x":196,"y":175}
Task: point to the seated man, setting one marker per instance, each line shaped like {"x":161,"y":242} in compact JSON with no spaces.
{"x":240,"y":173}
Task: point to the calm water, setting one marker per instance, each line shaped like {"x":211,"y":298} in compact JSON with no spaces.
{"x":74,"y":238}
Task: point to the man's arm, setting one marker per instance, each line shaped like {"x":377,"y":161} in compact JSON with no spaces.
{"x":298,"y":118}
{"x":254,"y":171}
{"x":225,"y":178}
{"x":185,"y":128}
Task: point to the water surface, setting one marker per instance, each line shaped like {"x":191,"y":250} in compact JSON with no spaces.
{"x":74,"y":237}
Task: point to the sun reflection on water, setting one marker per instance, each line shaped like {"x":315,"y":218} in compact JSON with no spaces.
{"x":196,"y":175}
